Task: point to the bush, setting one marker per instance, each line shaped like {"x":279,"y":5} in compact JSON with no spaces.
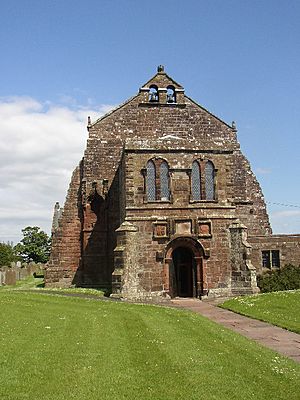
{"x":287,"y":278}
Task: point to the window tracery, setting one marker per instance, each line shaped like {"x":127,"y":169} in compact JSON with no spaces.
{"x":164,"y":181}
{"x":157,"y":180}
{"x":209,"y":181}
{"x":196,"y":181}
{"x":203,"y":181}
{"x":151,"y":188}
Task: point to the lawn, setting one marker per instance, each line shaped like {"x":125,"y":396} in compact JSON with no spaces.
{"x":38,"y":283}
{"x":278,"y":308}
{"x":55,"y":347}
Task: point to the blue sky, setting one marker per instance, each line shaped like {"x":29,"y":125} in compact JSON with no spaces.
{"x":64,"y":60}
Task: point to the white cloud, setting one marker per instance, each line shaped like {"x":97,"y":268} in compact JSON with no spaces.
{"x":40,"y":144}
{"x":285,"y":221}
{"x":263,"y":171}
{"x":286,"y":213}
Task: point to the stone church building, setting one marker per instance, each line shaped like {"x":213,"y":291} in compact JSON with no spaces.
{"x":164,"y":204}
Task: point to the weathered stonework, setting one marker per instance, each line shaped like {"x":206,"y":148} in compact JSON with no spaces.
{"x":163,"y":204}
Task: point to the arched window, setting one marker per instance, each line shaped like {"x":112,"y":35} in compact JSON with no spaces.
{"x":209,"y":181}
{"x":157,"y":180}
{"x":153,"y":94}
{"x":164,"y":181}
{"x":171,"y":96}
{"x":203,"y":181}
{"x":151,"y":189}
{"x":196,"y":181}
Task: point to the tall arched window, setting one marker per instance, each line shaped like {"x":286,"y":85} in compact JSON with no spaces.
{"x":203,"y":180}
{"x":157,"y":180}
{"x":196,"y":181}
{"x":151,"y":189}
{"x":209,"y":181}
{"x":164,"y":181}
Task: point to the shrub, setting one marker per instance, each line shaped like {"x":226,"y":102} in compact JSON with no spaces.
{"x":287,"y":278}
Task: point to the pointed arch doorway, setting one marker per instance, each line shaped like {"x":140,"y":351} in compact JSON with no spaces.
{"x":184,"y":263}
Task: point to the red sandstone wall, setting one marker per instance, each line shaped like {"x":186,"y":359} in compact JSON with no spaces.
{"x":94,"y":209}
{"x":66,"y":244}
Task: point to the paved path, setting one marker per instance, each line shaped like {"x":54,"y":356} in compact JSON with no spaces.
{"x":278,"y":339}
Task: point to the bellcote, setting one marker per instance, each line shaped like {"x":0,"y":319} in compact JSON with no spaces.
{"x":162,"y":90}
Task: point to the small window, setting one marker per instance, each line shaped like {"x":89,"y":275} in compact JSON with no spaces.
{"x":275,"y":259}
{"x":266,"y":260}
{"x":270,"y":259}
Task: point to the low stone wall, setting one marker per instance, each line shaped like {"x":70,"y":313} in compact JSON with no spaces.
{"x":11,"y":274}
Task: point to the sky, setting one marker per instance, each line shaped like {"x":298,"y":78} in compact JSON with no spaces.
{"x":64,"y":60}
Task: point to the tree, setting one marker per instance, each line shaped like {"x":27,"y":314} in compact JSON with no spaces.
{"x":7,"y":254}
{"x":35,"y":245}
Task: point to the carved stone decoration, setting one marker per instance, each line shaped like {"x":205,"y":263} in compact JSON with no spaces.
{"x":183,"y":227}
{"x":204,"y":229}
{"x":160,"y":230}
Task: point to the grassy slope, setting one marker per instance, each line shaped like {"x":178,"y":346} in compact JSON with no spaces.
{"x":64,"y":348}
{"x":278,"y":308}
{"x":38,"y":283}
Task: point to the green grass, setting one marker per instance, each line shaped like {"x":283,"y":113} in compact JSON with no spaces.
{"x":28,"y":283}
{"x":55,"y":347}
{"x":38,"y":283}
{"x":83,"y":291}
{"x":278,"y":308}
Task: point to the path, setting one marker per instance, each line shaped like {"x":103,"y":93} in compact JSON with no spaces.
{"x":278,"y":339}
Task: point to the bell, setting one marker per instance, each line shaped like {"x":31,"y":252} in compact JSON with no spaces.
{"x":170,"y":98}
{"x":152,"y":97}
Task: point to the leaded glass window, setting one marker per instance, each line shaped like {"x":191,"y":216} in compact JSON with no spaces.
{"x":151,"y":190}
{"x":209,"y":181}
{"x":164,"y":181}
{"x":196,"y":181}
